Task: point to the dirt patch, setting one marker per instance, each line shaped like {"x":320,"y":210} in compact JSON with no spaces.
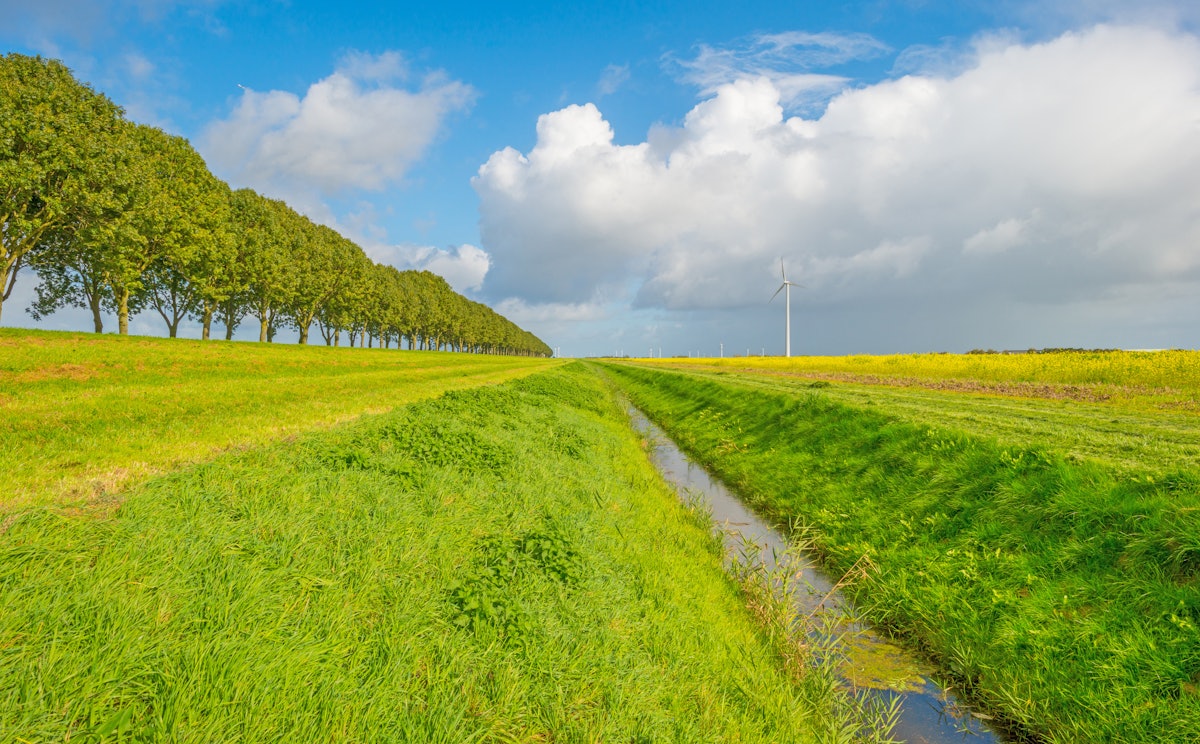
{"x":73,"y":372}
{"x":23,"y":341}
{"x":1046,"y":390}
{"x":1189,"y":406}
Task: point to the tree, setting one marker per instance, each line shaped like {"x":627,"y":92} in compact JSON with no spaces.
{"x":213,"y":267}
{"x":268,"y":232}
{"x":164,"y":249}
{"x":323,"y":263}
{"x":60,"y":166}
{"x":354,"y":300}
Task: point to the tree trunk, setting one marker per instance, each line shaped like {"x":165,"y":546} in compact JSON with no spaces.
{"x":9,"y":280}
{"x":123,"y":312}
{"x":208,"y":313}
{"x":262,"y":330}
{"x":94,"y":303}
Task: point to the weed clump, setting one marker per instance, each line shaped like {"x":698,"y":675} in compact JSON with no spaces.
{"x":486,"y":593}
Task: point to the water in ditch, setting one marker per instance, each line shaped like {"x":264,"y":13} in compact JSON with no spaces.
{"x":929,"y":713}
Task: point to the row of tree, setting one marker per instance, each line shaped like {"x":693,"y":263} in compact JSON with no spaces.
{"x":121,"y":217}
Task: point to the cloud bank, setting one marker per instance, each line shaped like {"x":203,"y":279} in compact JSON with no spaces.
{"x":1051,"y":179}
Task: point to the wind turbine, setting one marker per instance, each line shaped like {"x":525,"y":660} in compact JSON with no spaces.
{"x":786,"y":288}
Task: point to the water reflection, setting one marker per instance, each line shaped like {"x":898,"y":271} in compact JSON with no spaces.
{"x":928,"y":713}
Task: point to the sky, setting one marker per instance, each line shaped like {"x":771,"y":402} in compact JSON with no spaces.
{"x":628,"y":178}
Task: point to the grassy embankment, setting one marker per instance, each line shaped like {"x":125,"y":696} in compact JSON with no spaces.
{"x":1117,"y":409}
{"x":1047,"y":562}
{"x":497,"y":564}
{"x":83,"y":416}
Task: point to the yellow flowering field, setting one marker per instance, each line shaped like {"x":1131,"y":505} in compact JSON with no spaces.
{"x":1162,"y":379}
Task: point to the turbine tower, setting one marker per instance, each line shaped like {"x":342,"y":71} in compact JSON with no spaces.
{"x":786,"y":288}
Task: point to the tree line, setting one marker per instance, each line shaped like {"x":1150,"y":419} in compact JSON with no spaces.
{"x":122,"y":217}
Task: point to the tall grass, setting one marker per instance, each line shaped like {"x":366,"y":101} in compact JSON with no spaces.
{"x":1062,"y":594}
{"x":499,"y":564}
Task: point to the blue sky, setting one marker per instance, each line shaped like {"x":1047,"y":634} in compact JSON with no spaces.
{"x":621,"y":178}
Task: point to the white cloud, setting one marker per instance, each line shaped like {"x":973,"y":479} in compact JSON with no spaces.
{"x":593,"y":326}
{"x":611,"y":80}
{"x":787,"y":59}
{"x":1000,"y":237}
{"x":521,"y":312}
{"x":1049,"y":174}
{"x":463,"y":267}
{"x":355,"y":129}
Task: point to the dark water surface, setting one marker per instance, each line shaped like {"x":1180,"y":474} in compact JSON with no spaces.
{"x":928,"y":712}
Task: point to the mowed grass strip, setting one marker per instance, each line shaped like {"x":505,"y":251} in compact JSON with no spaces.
{"x":1062,"y":594}
{"x":499,"y":564}
{"x":83,"y":416}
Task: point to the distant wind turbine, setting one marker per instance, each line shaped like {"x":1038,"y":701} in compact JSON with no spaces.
{"x":786,"y":288}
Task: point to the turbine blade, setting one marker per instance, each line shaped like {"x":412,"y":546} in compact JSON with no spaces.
{"x":781,"y":286}
{"x":783,"y":271}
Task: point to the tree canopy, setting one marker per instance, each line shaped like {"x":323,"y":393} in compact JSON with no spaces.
{"x":60,"y":161}
{"x":118,"y":216}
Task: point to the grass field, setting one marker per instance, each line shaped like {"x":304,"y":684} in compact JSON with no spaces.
{"x":1120,"y":436}
{"x":1155,"y":381}
{"x":497,"y":563}
{"x":1044,"y":550}
{"x":82,"y":416}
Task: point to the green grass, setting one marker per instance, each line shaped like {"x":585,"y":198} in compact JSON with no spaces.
{"x":498,"y":564}
{"x":83,"y":416}
{"x":1058,"y":588}
{"x":1117,"y":436}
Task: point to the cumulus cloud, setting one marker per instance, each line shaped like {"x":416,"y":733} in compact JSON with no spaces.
{"x":463,"y":266}
{"x":362,"y":127}
{"x":1049,"y":174}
